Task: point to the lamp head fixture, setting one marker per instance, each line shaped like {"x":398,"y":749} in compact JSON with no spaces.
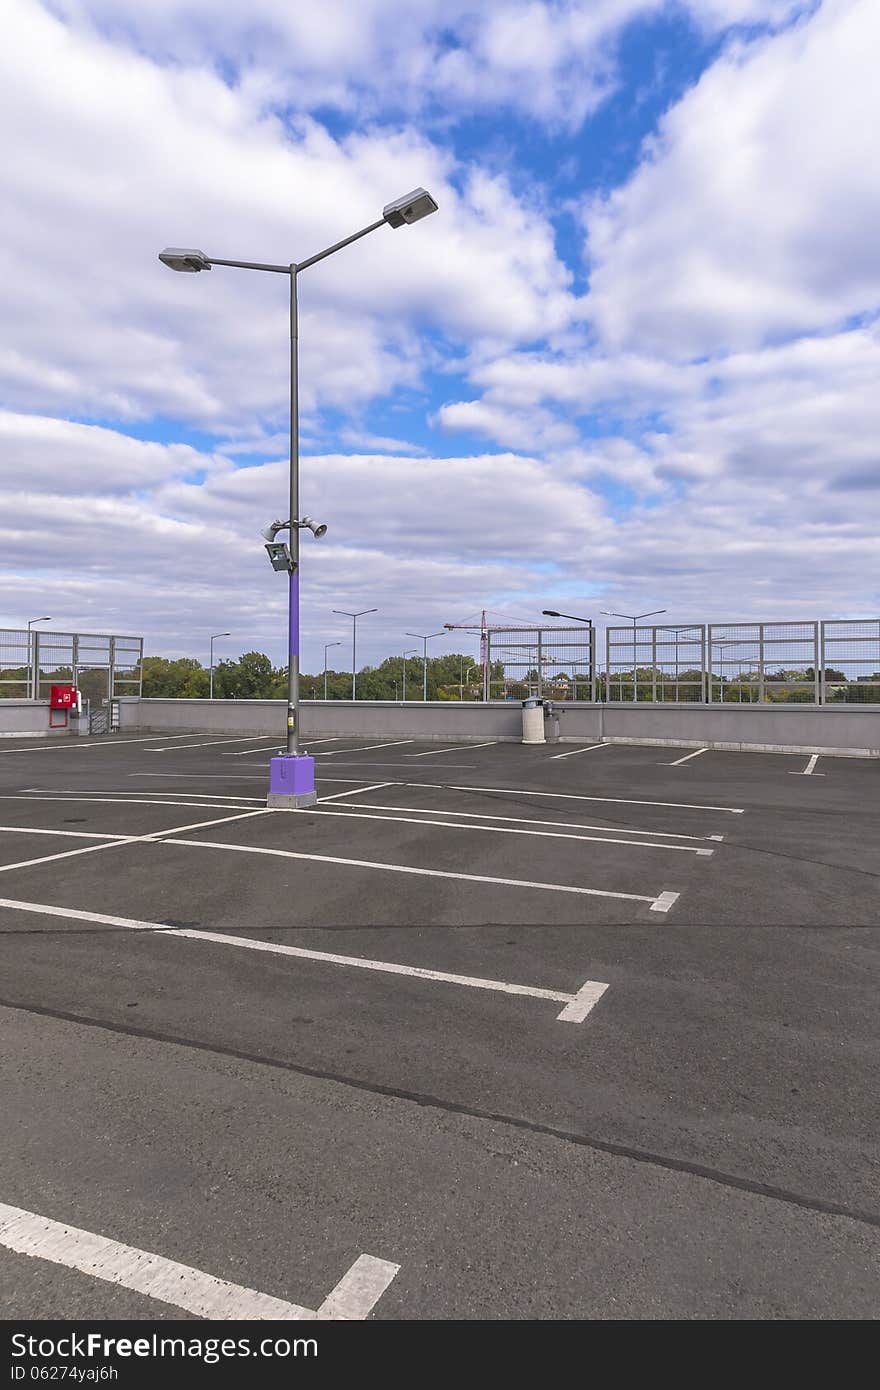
{"x":183,"y":258}
{"x":279,"y":557}
{"x":412,"y":208}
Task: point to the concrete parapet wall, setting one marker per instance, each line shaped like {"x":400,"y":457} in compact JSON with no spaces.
{"x":843,"y":730}
{"x":28,"y":719}
{"x":779,"y":728}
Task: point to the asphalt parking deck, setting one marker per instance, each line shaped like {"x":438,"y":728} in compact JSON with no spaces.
{"x":559,"y":1032}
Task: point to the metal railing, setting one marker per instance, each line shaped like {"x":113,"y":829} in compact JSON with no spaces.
{"x":556,"y":662}
{"x":103,"y":665}
{"x":835,"y":661}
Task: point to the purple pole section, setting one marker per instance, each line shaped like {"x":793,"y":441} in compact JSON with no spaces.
{"x":293,"y":642}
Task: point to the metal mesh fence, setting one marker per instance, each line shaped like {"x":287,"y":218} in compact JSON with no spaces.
{"x":15,"y":663}
{"x":850,"y":655}
{"x":556,"y":663}
{"x":764,"y":663}
{"x":102,"y":665}
{"x":822,"y":662}
{"x":656,"y":664}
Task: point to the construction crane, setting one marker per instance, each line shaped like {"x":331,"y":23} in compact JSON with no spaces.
{"x":483,"y":630}
{"x":484,"y":645}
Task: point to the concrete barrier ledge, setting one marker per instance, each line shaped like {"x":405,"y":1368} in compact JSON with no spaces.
{"x":808,"y":748}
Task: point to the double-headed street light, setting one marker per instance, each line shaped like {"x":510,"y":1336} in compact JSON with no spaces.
{"x":425,"y":639}
{"x":343,"y":613}
{"x":211,"y":677}
{"x":292,"y":775}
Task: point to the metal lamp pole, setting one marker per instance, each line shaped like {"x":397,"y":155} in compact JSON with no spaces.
{"x":32,"y":656}
{"x":327,"y":646}
{"x":211,"y":677}
{"x":551,"y":613}
{"x":425,"y":640}
{"x":634,"y":618}
{"x":293,"y":783}
{"x":412,"y":651}
{"x":354,"y":618}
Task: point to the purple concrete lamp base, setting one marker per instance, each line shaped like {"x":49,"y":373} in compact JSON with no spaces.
{"x":291,"y":782}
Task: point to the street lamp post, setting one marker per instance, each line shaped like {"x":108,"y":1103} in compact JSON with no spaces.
{"x":33,"y":677}
{"x":551,"y":613}
{"x":425,"y":639}
{"x":211,"y":677}
{"x":634,"y":618}
{"x":292,"y":775}
{"x":327,"y":646}
{"x":354,"y":618}
{"x":411,"y":651}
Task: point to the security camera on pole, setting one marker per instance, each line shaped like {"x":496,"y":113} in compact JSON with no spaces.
{"x":292,"y":775}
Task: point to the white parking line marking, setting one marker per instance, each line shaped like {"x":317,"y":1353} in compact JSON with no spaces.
{"x":592,"y":748}
{"x":148,"y":798}
{"x":665,"y":901}
{"x":312,"y":742}
{"x":179,"y":1285}
{"x":515,"y":820}
{"x":809,"y":769}
{"x":686,"y":759}
{"x":572,"y":796}
{"x":119,"y":841}
{"x":77,"y":834}
{"x":218,"y":776}
{"x":365,"y":748}
{"x":132,"y":800}
{"x":201,"y":824}
{"x":83,"y":743}
{"x":70,"y":854}
{"x":583,"y":1002}
{"x":359,"y":1290}
{"x":422,"y":873}
{"x":458,"y":748}
{"x":273,"y":746}
{"x":234,"y":777}
{"x":215,"y":742}
{"x":577,"y":1005}
{"x":507,"y":830}
{"x":355,"y":791}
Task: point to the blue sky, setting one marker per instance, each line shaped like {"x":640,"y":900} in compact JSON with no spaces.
{"x":631,"y":363}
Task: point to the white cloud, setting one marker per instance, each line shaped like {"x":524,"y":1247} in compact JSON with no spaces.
{"x":739,"y":469}
{"x":754,"y":213}
{"x":110,"y":157}
{"x":554,"y":60}
{"x":105,"y":532}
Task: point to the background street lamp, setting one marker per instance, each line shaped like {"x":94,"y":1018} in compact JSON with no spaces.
{"x":412,"y":651}
{"x":211,"y":678}
{"x":354,"y":620}
{"x":425,"y":640}
{"x":551,"y":613}
{"x":634,"y":618}
{"x":327,"y":645}
{"x":32,"y":657}
{"x":292,"y":775}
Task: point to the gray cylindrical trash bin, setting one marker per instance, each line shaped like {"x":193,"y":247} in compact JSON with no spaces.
{"x":533,"y":720}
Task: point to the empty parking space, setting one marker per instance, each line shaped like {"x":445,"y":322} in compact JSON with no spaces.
{"x":622,"y":985}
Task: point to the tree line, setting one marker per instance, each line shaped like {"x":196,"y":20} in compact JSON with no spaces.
{"x":453,"y":676}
